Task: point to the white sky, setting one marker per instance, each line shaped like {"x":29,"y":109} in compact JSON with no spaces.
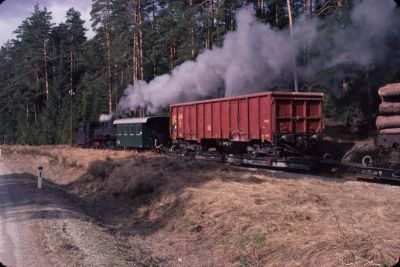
{"x":13,"y":12}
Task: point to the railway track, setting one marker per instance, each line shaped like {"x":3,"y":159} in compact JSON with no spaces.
{"x":314,"y":166}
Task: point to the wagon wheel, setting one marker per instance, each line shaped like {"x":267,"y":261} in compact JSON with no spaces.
{"x":367,"y":161}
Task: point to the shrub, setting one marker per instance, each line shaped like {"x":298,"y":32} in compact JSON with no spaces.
{"x":101,"y":169}
{"x":146,"y":184}
{"x":136,"y":180}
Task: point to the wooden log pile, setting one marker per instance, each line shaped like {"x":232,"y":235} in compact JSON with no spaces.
{"x":389,"y":120}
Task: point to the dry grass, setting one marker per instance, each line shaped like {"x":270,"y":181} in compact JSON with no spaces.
{"x":63,"y":163}
{"x":195,"y":213}
{"x":295,"y":223}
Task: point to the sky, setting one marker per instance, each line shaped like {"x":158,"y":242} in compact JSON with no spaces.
{"x":13,"y":12}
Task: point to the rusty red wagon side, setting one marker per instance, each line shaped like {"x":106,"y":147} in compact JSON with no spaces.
{"x":256,"y":119}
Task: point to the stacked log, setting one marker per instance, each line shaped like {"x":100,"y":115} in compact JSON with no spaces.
{"x":389,"y":120}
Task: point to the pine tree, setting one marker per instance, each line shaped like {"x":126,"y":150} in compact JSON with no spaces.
{"x":101,"y":13}
{"x":32,"y":68}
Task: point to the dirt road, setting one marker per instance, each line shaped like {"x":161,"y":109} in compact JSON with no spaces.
{"x":44,"y":228}
{"x":18,"y":240}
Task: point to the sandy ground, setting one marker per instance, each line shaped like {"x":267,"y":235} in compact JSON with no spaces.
{"x":179,"y":212}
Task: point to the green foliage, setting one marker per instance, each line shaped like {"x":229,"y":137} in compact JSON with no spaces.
{"x":260,"y":238}
{"x":243,"y":259}
{"x":60,"y":58}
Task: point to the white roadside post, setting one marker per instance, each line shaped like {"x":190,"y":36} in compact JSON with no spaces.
{"x":40,"y":177}
{"x":0,"y":153}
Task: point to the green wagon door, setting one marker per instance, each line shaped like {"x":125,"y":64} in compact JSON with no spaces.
{"x":130,"y":135}
{"x":136,"y":135}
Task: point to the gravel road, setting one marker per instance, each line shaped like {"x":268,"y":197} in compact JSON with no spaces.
{"x":45,"y":228}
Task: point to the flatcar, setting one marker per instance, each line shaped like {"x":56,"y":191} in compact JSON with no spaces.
{"x":388,"y":138}
{"x":271,"y":124}
{"x":388,"y":123}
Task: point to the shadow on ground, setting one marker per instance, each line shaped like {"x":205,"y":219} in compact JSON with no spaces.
{"x":21,"y":200}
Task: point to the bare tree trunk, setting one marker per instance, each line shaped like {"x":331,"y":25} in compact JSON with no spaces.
{"x":134,"y":59}
{"x":71,"y":91}
{"x":307,"y":15}
{"x":192,"y":31}
{"x":37,"y":74}
{"x":71,"y":65}
{"x":108,"y":44}
{"x":141,"y":51}
{"x":138,"y":71}
{"x":152,"y":27}
{"x":27,"y":112}
{"x":45,"y":69}
{"x":116,"y":90}
{"x":34,"y":114}
{"x":71,"y":119}
{"x":171,"y":55}
{"x":296,"y":86}
{"x":211,"y":32}
{"x":260,"y":6}
{"x":305,"y":8}
{"x":232,"y":20}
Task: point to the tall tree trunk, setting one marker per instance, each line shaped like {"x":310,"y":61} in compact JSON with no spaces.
{"x":209,"y":24}
{"x":260,"y":6}
{"x":192,"y":31}
{"x":138,"y":71}
{"x":211,"y":32}
{"x":108,"y":44}
{"x":34,"y":114}
{"x":138,"y":43}
{"x":60,"y":67}
{"x":71,"y":66}
{"x":37,"y":75}
{"x":116,"y":90}
{"x":232,"y":20}
{"x":27,"y":112}
{"x":71,"y":91}
{"x":296,"y":86}
{"x":172,"y":53}
{"x":307,"y":15}
{"x":71,"y":119}
{"x":153,"y":28}
{"x":46,"y":79}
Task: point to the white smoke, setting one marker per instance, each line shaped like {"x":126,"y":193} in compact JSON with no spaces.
{"x":251,"y":57}
{"x":362,"y":41}
{"x":256,"y":57}
{"x":106,"y":117}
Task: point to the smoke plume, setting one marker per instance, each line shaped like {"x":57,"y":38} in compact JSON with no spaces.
{"x":105,"y":117}
{"x":257,"y":57}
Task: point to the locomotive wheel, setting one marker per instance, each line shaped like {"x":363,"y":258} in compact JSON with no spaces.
{"x":385,"y":122}
{"x":367,"y":161}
